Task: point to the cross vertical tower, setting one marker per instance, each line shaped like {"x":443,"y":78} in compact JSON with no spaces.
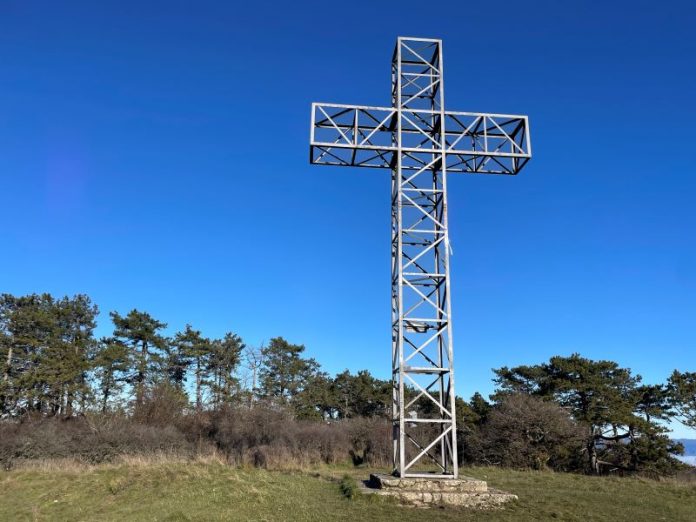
{"x":420,"y":142}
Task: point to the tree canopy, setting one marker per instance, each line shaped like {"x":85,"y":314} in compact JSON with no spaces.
{"x":52,"y":365}
{"x":621,"y":416}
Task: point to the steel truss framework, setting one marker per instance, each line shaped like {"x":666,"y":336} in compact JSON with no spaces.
{"x":419,"y":141}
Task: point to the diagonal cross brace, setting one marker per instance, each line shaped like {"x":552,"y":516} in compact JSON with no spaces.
{"x":475,"y":141}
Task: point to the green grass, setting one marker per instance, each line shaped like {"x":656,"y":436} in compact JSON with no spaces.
{"x":213,"y":491}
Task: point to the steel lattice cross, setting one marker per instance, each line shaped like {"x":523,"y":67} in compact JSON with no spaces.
{"x":419,"y":141}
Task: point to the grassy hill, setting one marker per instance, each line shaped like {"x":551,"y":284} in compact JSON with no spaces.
{"x":212,"y":491}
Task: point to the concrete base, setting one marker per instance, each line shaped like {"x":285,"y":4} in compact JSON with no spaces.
{"x":427,"y":492}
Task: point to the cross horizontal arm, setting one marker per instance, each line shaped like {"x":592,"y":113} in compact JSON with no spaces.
{"x":364,"y":136}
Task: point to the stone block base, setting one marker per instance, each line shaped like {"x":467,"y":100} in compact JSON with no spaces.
{"x":431,"y":492}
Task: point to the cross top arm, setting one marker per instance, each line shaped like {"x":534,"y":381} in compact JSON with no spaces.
{"x":364,"y":136}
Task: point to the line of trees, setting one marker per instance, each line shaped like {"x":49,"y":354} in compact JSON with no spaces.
{"x":593,"y":415}
{"x":570,"y":413}
{"x":54,"y":365}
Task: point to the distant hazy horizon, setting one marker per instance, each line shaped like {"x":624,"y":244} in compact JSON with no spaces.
{"x":690,"y":460}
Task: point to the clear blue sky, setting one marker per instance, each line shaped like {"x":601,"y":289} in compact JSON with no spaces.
{"x":154,"y":155}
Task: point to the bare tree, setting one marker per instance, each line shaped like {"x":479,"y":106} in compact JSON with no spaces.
{"x":253,"y":361}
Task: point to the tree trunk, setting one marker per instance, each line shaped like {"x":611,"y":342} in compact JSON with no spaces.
{"x":198,"y":384}
{"x":105,"y":400}
{"x":142,"y":367}
{"x":219,"y":388}
{"x":69,"y":392}
{"x":253,"y":385}
{"x":5,"y":381}
{"x":106,"y":391}
{"x":634,"y":451}
{"x":8,"y":365}
{"x":592,"y":452}
{"x":68,"y":403}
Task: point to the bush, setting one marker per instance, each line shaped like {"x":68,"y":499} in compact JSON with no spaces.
{"x":370,"y":441}
{"x":262,"y":436}
{"x":270,"y":437}
{"x":93,"y":439}
{"x":162,"y":405}
{"x":527,"y":432}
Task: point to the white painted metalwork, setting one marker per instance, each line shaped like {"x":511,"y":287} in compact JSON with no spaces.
{"x":419,"y":141}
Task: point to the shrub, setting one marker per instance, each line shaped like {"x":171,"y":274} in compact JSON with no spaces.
{"x":270,"y":437}
{"x":93,"y":439}
{"x":263,"y":436}
{"x":370,"y":440}
{"x":162,"y":405}
{"x":523,"y":431}
{"x":349,"y":487}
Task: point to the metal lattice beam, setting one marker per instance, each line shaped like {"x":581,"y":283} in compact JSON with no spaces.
{"x":420,"y":142}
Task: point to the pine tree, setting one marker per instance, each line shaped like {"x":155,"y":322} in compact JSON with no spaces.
{"x":361,"y":395}
{"x":681,"y":388}
{"x":284,"y":371}
{"x":198,"y":349}
{"x":6,"y":356}
{"x":32,"y":380}
{"x":47,"y":345}
{"x":653,"y":402}
{"x":111,"y":364}
{"x":223,"y":363}
{"x":140,"y":332}
{"x":76,"y":320}
{"x":620,"y":415}
{"x":316,"y":400}
{"x":175,"y":365}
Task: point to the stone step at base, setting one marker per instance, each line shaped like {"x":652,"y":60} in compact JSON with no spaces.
{"x":426,"y":492}
{"x":458,"y":485}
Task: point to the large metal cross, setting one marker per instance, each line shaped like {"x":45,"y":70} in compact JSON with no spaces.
{"x":419,"y":141}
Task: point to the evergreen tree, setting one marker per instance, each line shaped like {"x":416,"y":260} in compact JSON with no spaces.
{"x":361,"y":395}
{"x":285,"y":371}
{"x":471,"y":415}
{"x":140,"y":332}
{"x":47,"y":345}
{"x":653,"y":402}
{"x":111,"y":364}
{"x":602,"y":396}
{"x":480,"y":406}
{"x":197,"y":349}
{"x":6,"y":356}
{"x":223,"y":363}
{"x":76,"y":320}
{"x":174,"y":365}
{"x":32,"y":382}
{"x":316,"y":399}
{"x":681,"y":388}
